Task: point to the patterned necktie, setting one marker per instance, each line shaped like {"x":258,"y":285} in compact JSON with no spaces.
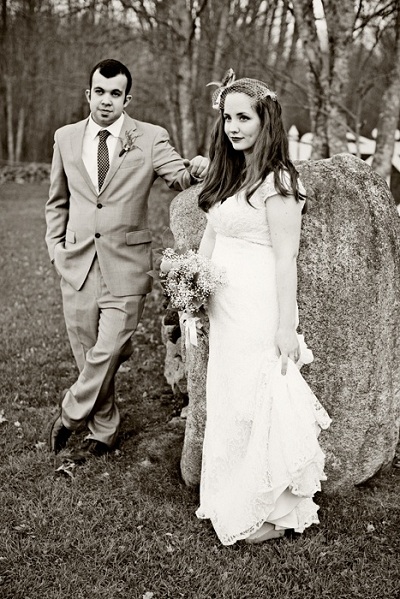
{"x":103,"y":160}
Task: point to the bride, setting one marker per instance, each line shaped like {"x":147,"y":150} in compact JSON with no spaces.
{"x":262,"y":463}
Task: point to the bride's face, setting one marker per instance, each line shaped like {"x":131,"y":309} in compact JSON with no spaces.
{"x":242,"y":124}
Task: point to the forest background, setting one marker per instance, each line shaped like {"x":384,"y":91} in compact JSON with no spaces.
{"x":334,"y":63}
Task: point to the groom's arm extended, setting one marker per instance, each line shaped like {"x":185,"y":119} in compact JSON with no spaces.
{"x":57,"y":206}
{"x":168,"y":164}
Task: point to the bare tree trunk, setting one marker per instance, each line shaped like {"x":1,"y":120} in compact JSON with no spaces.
{"x":318,"y":84}
{"x":328,"y":71}
{"x":4,"y":16}
{"x":9,"y":112}
{"x":185,"y":86}
{"x":220,"y":41}
{"x":340,"y":20}
{"x":175,"y":24}
{"x":188,"y":127}
{"x":389,"y":115}
{"x":3,"y":62}
{"x":217,"y":68}
{"x":280,"y":49}
{"x":269,"y":23}
{"x":290,"y":59}
{"x":172,"y":112}
{"x":20,"y":134}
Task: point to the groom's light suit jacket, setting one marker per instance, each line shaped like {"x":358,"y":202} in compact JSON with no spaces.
{"x":114,"y":223}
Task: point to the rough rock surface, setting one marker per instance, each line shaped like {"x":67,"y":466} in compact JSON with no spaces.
{"x":174,"y":366}
{"x":349,"y":303}
{"x":196,"y":368}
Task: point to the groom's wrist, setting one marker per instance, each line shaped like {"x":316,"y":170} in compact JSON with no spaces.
{"x":195,"y":180}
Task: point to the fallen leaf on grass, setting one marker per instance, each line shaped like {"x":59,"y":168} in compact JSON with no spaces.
{"x":148,"y":595}
{"x":67,"y":468}
{"x":2,"y":417}
{"x":20,"y":528}
{"x":24,"y":529}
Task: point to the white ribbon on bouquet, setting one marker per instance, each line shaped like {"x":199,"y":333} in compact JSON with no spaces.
{"x":188,"y":324}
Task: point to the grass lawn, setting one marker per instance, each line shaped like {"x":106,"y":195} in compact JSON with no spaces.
{"x":123,"y":526}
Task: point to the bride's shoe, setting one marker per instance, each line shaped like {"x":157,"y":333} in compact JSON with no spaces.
{"x":265,"y":533}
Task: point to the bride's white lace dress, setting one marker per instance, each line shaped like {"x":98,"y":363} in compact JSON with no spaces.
{"x":261,"y":458}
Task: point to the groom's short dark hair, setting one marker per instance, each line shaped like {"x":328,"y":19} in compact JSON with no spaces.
{"x":111,"y":68}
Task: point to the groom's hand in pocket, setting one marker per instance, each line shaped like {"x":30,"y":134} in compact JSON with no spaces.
{"x":55,"y":268}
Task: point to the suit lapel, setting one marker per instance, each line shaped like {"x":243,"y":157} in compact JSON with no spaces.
{"x":76,"y":146}
{"x":128,"y":125}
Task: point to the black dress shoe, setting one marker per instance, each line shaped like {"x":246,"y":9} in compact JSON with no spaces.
{"x":58,"y":435}
{"x":291,"y":534}
{"x":96,"y":448}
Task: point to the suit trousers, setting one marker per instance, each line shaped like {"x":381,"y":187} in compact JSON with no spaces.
{"x":100,"y":326}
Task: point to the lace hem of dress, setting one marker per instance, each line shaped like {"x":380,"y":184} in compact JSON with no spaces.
{"x":275,"y":447}
{"x":305,"y":513}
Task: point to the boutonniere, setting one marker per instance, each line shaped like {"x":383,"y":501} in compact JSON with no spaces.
{"x":129,"y":142}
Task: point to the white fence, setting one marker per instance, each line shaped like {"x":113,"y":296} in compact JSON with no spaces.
{"x":300,"y":147}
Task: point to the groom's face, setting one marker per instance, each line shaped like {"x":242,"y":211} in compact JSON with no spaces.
{"x":107,"y":98}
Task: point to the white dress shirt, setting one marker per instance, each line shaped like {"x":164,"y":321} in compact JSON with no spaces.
{"x":91,"y":144}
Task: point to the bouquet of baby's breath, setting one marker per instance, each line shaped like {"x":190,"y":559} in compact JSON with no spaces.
{"x":188,"y":279}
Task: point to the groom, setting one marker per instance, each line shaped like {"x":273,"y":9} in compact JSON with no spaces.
{"x":99,"y":241}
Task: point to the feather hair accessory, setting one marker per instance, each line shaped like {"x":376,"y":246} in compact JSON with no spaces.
{"x":252,"y":87}
{"x":227,"y":80}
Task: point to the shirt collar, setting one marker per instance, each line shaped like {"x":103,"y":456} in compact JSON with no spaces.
{"x":114,"y":129}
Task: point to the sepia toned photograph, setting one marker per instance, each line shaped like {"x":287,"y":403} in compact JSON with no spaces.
{"x":200,"y":299}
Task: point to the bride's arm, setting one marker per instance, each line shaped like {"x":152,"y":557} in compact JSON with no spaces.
{"x":207,"y":243}
{"x":284,"y":220}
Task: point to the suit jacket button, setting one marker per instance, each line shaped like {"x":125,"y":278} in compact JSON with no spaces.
{"x":97,"y":235}
{"x":99,"y":205}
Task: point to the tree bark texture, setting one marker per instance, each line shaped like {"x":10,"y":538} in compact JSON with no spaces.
{"x":340,"y":20}
{"x":318,"y":84}
{"x":389,"y":115}
{"x":20,"y":134}
{"x":9,"y":118}
{"x":328,"y":72}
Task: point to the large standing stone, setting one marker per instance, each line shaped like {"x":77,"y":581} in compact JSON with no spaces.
{"x":174,"y":366}
{"x":349,"y":302}
{"x":196,"y":367}
{"x":187,"y":223}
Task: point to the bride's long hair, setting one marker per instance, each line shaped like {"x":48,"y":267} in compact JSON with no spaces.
{"x":228,"y":172}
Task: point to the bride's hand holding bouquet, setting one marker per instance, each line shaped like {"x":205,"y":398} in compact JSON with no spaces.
{"x":188,"y":280}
